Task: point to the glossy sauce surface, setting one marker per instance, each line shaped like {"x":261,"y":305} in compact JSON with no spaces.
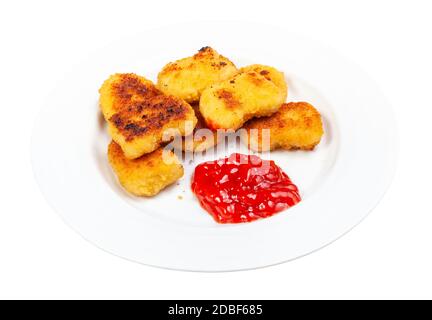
{"x":243,"y":188}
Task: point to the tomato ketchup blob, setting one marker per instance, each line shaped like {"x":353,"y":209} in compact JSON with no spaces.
{"x":243,"y":188}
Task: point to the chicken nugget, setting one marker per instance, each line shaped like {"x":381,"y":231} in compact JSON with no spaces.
{"x":147,"y":175}
{"x":297,"y":125}
{"x":187,"y":78}
{"x":271,"y":74}
{"x":138,"y":114}
{"x":229,"y":104}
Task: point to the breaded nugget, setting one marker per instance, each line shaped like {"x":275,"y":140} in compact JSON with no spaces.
{"x":138,"y":114}
{"x":120,"y":90}
{"x":187,"y":78}
{"x":147,"y":175}
{"x":297,"y":125}
{"x":271,"y":74}
{"x":229,"y":104}
{"x":202,"y":138}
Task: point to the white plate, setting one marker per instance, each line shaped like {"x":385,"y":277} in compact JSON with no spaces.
{"x":340,"y":182}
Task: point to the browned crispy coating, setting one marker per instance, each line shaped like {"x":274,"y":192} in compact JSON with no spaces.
{"x":230,"y":103}
{"x":138,"y":114}
{"x":297,"y":125}
{"x":188,"y":77}
{"x":147,"y":175}
{"x":271,"y":74}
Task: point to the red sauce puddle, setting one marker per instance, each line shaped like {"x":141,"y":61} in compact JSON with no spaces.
{"x":243,"y":188}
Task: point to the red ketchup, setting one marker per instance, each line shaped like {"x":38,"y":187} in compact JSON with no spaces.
{"x":243,"y":188}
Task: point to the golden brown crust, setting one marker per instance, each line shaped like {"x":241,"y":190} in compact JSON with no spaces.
{"x":122,"y":89}
{"x":229,"y":104}
{"x":228,"y":99}
{"x":138,"y":113}
{"x":256,"y":78}
{"x":297,"y":125}
{"x":129,"y":88}
{"x":271,"y":74}
{"x":146,"y":117}
{"x":147,"y":175}
{"x":188,"y":77}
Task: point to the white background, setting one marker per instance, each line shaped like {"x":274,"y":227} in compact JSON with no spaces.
{"x":389,"y":255}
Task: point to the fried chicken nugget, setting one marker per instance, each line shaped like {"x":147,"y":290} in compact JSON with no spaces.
{"x":147,"y":175}
{"x":138,"y":114}
{"x":229,"y":104}
{"x":297,"y":125}
{"x":271,"y":74}
{"x":187,"y":78}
